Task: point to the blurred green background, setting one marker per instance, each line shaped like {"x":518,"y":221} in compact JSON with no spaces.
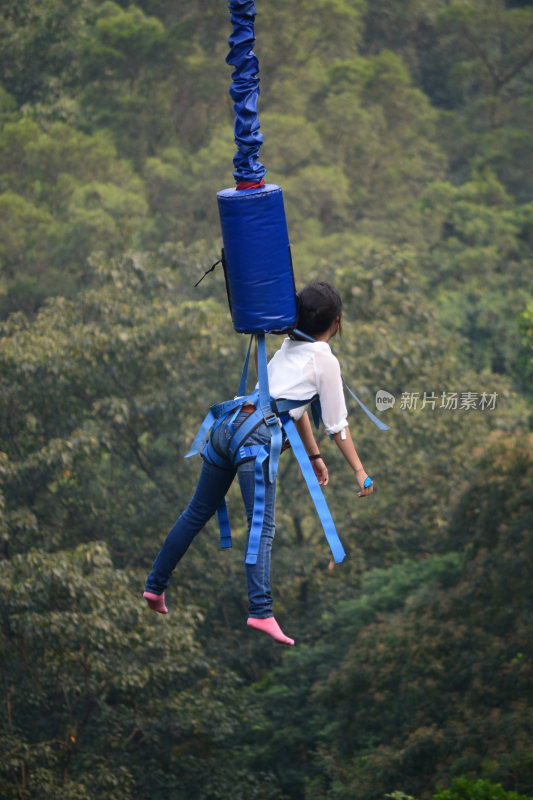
{"x":401,"y":134}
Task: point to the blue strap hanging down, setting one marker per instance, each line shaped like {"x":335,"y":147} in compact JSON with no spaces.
{"x":223,"y":523}
{"x":256,"y":528}
{"x":244,"y":376}
{"x":204,"y":429}
{"x":265,"y":404}
{"x":315,"y":490}
{"x":381,"y":425}
{"x":239,"y":451}
{"x":211,"y":456}
{"x":242,"y":387}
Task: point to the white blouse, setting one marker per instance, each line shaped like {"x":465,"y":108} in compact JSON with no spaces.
{"x":300,"y":370}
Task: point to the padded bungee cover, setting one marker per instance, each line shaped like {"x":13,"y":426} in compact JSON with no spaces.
{"x":257,"y":259}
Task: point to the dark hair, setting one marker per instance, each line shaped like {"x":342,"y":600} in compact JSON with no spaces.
{"x":318,"y":306}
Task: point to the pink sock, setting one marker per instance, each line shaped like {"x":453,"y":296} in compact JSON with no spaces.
{"x":270,"y":626}
{"x":156,"y":602}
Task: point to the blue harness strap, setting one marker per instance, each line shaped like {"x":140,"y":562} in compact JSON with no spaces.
{"x":244,"y":376}
{"x":381,"y":425}
{"x":216,"y":413}
{"x":246,"y":452}
{"x":315,"y":490}
{"x":256,"y":528}
{"x":212,"y":457}
{"x":204,"y":429}
{"x":223,"y":524}
{"x":242,"y":433}
{"x":238,"y":452}
{"x":265,"y":405}
{"x":273,"y":413}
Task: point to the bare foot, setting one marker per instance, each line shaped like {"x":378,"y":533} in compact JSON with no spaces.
{"x":156,"y":602}
{"x":271,"y":627}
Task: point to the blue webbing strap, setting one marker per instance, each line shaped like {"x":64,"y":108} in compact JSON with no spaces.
{"x":381,"y":425}
{"x":316,"y":411}
{"x":214,"y":413}
{"x":210,"y":455}
{"x":313,"y":485}
{"x":262,"y":375}
{"x":256,"y":528}
{"x":271,"y":419}
{"x":244,"y":376}
{"x":252,"y":421}
{"x":243,"y":452}
{"x":205,"y":427}
{"x":247,"y":452}
{"x":276,"y":443}
{"x":242,"y":385}
{"x":288,"y":405}
{"x":223,"y":522}
{"x":249,"y":399}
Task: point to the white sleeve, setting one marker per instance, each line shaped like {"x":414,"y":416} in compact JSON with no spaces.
{"x":331,"y":392}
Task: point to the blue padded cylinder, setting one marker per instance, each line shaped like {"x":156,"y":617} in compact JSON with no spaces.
{"x":257,"y":259}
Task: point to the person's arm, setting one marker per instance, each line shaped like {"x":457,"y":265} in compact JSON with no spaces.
{"x":347,"y":448}
{"x":303,"y":426}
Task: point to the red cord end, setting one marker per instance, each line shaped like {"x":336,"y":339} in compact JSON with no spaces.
{"x":250,"y":184}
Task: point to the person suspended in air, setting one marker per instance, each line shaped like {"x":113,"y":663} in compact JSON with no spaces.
{"x":303,"y":368}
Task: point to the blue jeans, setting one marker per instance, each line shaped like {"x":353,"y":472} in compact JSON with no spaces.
{"x":211,"y":489}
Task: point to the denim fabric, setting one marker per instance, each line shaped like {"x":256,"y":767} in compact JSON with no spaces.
{"x":212,"y":487}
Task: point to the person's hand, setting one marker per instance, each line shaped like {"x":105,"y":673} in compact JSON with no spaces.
{"x":320,"y":470}
{"x":361,"y":476}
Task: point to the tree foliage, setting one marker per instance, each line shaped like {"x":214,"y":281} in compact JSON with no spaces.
{"x":99,"y":701}
{"x":400,"y":133}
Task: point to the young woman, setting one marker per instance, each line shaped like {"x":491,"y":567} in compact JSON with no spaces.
{"x":299,"y":370}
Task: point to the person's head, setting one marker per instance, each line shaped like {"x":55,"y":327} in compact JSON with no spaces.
{"x":319,"y":306}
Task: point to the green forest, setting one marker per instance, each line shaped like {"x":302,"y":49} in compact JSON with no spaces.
{"x":401,"y":133}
